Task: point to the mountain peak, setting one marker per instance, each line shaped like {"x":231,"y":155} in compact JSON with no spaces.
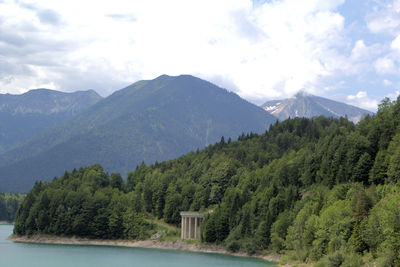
{"x":41,"y":91}
{"x":51,"y":92}
{"x":25,"y":115}
{"x":163,"y":76}
{"x":302,"y":93}
{"x":306,"y":105}
{"x":166,"y":77}
{"x":47,"y":101}
{"x":92,"y":92}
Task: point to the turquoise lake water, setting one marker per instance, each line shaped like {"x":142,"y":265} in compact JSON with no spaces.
{"x":43,"y":255}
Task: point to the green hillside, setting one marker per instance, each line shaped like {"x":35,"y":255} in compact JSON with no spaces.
{"x":24,"y":116}
{"x":148,"y":121}
{"x":320,"y":191}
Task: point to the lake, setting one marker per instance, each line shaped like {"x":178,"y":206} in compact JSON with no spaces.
{"x":43,"y":255}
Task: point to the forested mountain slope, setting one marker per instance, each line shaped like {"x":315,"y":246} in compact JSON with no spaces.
{"x":148,"y":121}
{"x":24,"y":116}
{"x":318,"y":190}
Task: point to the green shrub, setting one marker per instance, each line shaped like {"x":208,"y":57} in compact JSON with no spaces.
{"x":332,"y":260}
{"x":386,"y":259}
{"x":335,"y":259}
{"x":250,"y":247}
{"x":353,"y":260}
{"x":289,"y":257}
{"x":172,"y":232}
{"x":233,"y":246}
{"x":321,"y":263}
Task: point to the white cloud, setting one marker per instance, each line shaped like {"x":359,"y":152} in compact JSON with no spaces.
{"x":386,"y":19}
{"x":359,"y":95}
{"x":360,"y":58}
{"x":261,"y":51}
{"x":360,"y":50}
{"x":395,"y":45}
{"x":387,"y":82}
{"x":361,"y":99}
{"x":385,"y":65}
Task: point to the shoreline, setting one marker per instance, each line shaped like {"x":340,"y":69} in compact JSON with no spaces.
{"x":5,"y":222}
{"x":171,"y":245}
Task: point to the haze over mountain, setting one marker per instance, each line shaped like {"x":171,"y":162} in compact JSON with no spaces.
{"x":148,"y":121}
{"x":23,"y":116}
{"x":308,"y":106}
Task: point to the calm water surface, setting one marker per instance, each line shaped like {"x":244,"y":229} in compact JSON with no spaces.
{"x":43,"y":255}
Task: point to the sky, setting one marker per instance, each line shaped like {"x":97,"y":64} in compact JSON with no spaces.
{"x":346,"y":50}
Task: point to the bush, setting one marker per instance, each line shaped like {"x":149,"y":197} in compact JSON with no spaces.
{"x":288,"y":258}
{"x":233,"y":246}
{"x":250,"y":247}
{"x":332,"y":260}
{"x":335,"y":259}
{"x":302,"y":255}
{"x":172,"y":232}
{"x":321,"y":263}
{"x":353,"y":260}
{"x":387,"y":258}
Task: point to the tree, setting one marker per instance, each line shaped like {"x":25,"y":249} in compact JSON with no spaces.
{"x":135,"y":226}
{"x":361,"y":170}
{"x":378,"y":172}
{"x":208,"y":229}
{"x":116,"y":181}
{"x":172,"y":204}
{"x":393,"y":173}
{"x":3,"y":208}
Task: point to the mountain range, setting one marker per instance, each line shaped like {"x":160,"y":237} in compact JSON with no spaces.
{"x":307,"y":105}
{"x":48,"y":132}
{"x":24,"y":116}
{"x":150,"y":120}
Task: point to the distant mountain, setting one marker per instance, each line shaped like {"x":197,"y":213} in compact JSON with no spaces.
{"x":147,"y":121}
{"x":306,"y":105}
{"x":23,"y":116}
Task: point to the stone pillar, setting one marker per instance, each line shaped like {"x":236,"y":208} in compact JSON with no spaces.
{"x":187,"y":227}
{"x":182,"y":227}
{"x":195,"y":228}
{"x":190,"y":228}
{"x":198,"y":224}
{"x":184,"y":230}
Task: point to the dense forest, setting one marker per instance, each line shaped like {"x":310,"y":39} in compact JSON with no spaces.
{"x":318,"y":190}
{"x":9,"y":205}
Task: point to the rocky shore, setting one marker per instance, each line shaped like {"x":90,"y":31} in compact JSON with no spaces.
{"x":173,"y":245}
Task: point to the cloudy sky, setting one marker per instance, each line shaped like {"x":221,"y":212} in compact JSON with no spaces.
{"x":348,"y":50}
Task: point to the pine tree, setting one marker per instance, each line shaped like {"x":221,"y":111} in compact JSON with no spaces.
{"x":361,"y":170}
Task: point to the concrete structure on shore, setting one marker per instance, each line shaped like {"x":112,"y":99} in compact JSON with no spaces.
{"x":190,"y":226}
